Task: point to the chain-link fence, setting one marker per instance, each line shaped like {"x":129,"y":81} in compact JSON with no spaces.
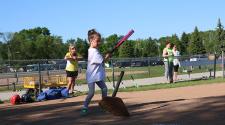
{"x":16,"y":73}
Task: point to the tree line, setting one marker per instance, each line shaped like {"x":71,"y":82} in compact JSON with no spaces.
{"x":39,"y":43}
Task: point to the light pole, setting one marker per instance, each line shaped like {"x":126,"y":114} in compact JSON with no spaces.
{"x":9,"y":54}
{"x":158,"y":45}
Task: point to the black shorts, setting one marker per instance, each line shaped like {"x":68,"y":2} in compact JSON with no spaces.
{"x":175,"y":67}
{"x":71,"y":73}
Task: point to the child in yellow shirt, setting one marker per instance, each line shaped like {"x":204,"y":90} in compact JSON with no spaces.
{"x":71,"y":67}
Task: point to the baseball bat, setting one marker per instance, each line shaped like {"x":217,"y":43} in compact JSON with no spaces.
{"x":122,"y":40}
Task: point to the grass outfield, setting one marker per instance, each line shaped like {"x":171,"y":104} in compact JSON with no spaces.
{"x":157,"y":86}
{"x":167,"y":86}
{"x":162,"y":86}
{"x":153,"y":71}
{"x":173,"y":85}
{"x":130,"y":72}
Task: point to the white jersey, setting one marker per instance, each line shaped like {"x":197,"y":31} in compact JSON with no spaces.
{"x":95,"y":67}
{"x":176,"y":60}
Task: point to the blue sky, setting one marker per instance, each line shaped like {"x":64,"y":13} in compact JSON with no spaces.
{"x":149,"y":18}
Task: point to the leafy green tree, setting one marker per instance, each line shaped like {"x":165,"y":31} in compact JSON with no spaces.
{"x":184,"y":44}
{"x":138,"y":48}
{"x":82,"y":47}
{"x":209,"y":41}
{"x":109,"y":43}
{"x":58,"y":49}
{"x":220,"y":37}
{"x":6,"y":38}
{"x":70,"y":41}
{"x":175,"y":40}
{"x":127,"y":49}
{"x":36,"y":43}
{"x":150,"y":48}
{"x":162,"y":43}
{"x":2,"y":51}
{"x":196,"y":44}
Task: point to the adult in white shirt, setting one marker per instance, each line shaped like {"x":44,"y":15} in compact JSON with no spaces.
{"x":176,"y":62}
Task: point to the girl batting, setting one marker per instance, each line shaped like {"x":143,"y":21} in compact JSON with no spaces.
{"x":95,"y":73}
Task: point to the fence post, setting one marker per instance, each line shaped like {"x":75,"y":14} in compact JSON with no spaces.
{"x":39,"y":72}
{"x":17,"y":77}
{"x":149,"y":66}
{"x":214,"y":66}
{"x":14,"y":86}
{"x":8,"y":83}
{"x":223,"y":64}
{"x":113,"y":73}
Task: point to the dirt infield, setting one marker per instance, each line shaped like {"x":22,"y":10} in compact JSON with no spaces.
{"x":195,"y":105}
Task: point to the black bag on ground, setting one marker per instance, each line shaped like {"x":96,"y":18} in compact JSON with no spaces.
{"x":26,"y":98}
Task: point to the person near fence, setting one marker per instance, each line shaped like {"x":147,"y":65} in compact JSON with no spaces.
{"x":71,"y":67}
{"x":176,"y":62}
{"x":95,"y":73}
{"x":168,"y":61}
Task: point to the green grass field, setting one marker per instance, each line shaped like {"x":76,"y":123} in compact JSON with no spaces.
{"x":130,"y":72}
{"x":173,"y":85}
{"x":154,"y":71}
{"x":157,"y":86}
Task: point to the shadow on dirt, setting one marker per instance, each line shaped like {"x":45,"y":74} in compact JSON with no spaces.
{"x":202,"y":111}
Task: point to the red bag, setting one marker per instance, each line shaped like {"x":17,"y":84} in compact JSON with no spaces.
{"x":15,"y":99}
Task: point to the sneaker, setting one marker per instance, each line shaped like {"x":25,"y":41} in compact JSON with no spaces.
{"x":84,"y":111}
